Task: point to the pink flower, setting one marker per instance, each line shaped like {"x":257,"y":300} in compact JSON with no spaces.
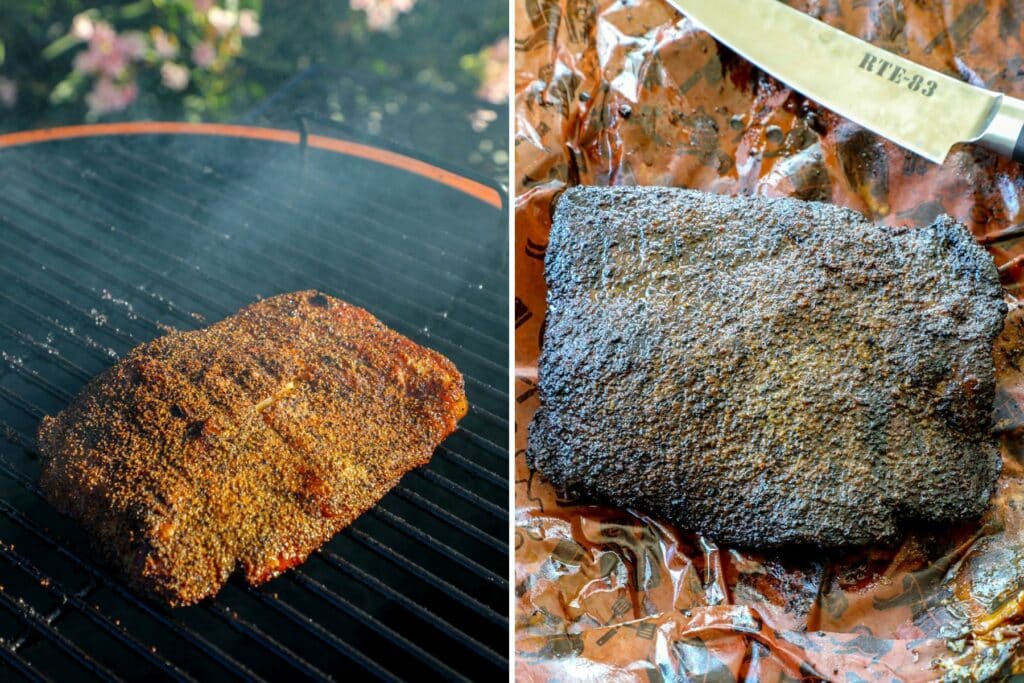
{"x":204,"y":54}
{"x":87,"y":62}
{"x":107,"y":96}
{"x":382,"y":14}
{"x":109,"y":54}
{"x":202,"y":6}
{"x":174,"y":76}
{"x":8,"y":92}
{"x":82,"y":27}
{"x":164,"y":47}
{"x":104,"y":55}
{"x":103,"y":32}
{"x":132,"y":45}
{"x":248,"y":23}
{"x":494,"y":82}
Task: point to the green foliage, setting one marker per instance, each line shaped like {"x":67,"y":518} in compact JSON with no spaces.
{"x":439,"y":46}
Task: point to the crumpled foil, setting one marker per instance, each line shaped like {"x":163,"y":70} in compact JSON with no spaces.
{"x":631,"y":92}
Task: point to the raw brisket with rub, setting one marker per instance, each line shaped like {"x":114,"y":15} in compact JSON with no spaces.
{"x":766,"y":371}
{"x":247,"y":444}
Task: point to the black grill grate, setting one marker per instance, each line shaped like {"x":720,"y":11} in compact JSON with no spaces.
{"x":108,"y":242}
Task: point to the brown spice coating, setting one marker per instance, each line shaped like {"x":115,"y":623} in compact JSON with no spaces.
{"x":766,"y":372}
{"x":246,"y":444}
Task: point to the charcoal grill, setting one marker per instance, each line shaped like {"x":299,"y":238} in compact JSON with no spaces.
{"x":112,"y":235}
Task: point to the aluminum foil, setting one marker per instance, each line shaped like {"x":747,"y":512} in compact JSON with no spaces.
{"x":631,"y":92}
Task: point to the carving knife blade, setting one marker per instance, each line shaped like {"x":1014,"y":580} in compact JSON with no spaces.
{"x":916,"y":107}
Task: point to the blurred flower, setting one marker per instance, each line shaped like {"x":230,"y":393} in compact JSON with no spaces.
{"x":109,"y":63}
{"x":481,"y":118}
{"x":174,"y":76}
{"x":494,"y":81}
{"x":222,"y":20}
{"x":248,"y":23}
{"x":163,"y":45}
{"x":82,"y":27}
{"x":132,"y":44}
{"x":105,"y":55}
{"x":381,"y":14}
{"x":204,"y":54}
{"x":107,"y":96}
{"x":8,"y":92}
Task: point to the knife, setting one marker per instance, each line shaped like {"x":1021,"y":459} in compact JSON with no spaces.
{"x":916,"y":107}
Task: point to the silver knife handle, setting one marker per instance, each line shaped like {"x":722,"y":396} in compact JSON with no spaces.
{"x":1005,"y":132}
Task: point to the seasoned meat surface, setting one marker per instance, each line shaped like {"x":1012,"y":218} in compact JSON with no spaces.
{"x":247,"y":444}
{"x":766,"y":371}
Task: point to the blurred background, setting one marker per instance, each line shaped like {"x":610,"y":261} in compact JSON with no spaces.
{"x":426,"y":75}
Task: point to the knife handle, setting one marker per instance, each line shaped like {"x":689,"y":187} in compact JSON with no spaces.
{"x":1005,"y":132}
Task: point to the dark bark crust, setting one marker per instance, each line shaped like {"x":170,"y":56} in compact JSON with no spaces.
{"x":766,"y":371}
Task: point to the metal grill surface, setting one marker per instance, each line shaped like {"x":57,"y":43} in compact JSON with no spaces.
{"x":109,"y":242}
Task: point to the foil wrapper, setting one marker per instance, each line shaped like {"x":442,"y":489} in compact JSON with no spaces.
{"x":631,"y":92}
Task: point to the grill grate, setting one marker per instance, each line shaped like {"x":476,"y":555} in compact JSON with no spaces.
{"x":109,"y":242}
